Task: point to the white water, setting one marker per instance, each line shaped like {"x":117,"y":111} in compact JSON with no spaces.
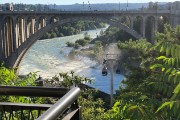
{"x":49,"y":57}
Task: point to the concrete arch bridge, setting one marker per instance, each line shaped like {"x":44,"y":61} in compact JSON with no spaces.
{"x":20,"y":29}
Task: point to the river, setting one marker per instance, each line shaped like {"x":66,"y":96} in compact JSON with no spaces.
{"x":49,"y":57}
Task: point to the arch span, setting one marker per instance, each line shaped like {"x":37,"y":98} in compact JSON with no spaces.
{"x":18,"y":56}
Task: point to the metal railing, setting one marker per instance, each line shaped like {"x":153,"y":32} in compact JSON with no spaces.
{"x":66,"y":108}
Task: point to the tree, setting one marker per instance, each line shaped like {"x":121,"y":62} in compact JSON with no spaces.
{"x":168,"y":69}
{"x":82,"y":42}
{"x":152,"y":88}
{"x":98,"y":47}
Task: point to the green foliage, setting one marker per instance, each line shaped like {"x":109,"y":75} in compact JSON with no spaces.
{"x":73,"y":28}
{"x":76,"y":46}
{"x":141,"y":45}
{"x":82,"y":42}
{"x":151,"y":89}
{"x":168,"y":69}
{"x":87,"y":37}
{"x":98,"y":48}
{"x":9,"y":78}
{"x":68,"y":80}
{"x":70,"y":44}
{"x":92,"y":109}
{"x":153,"y":6}
{"x":78,"y":43}
{"x":53,"y":35}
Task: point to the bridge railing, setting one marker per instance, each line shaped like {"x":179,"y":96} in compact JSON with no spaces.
{"x":84,"y":12}
{"x":65,"y":107}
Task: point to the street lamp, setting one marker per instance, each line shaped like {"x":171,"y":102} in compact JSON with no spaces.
{"x":110,"y":59}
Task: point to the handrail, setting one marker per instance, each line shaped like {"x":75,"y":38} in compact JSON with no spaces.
{"x":58,"y":108}
{"x":9,"y":106}
{"x":33,"y":91}
{"x":67,"y":106}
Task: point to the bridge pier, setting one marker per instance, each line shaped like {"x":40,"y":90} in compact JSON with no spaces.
{"x":1,"y":40}
{"x":15,"y":45}
{"x":143,"y":28}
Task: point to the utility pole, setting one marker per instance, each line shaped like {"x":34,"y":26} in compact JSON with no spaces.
{"x":111,"y":63}
{"x":111,"y":60}
{"x":83,"y":5}
{"x":127,"y":6}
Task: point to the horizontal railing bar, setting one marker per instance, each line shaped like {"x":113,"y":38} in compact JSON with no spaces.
{"x":57,"y":109}
{"x":7,"y":106}
{"x":33,"y":91}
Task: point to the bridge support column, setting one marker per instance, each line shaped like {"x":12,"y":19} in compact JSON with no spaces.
{"x":33,"y":26}
{"x":156,"y":25}
{"x":1,"y":40}
{"x":15,"y":37}
{"x":1,"y":47}
{"x":28,"y":29}
{"x":17,"y":34}
{"x":44,"y":23}
{"x":37,"y":24}
{"x":25,"y":28}
{"x":11,"y":36}
{"x":8,"y":36}
{"x":143,"y":27}
{"x":22,"y":30}
{"x":4,"y":38}
{"x":154,"y":28}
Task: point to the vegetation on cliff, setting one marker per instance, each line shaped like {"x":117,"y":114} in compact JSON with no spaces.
{"x":73,"y":28}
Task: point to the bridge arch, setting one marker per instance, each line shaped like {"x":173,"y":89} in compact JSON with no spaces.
{"x":18,"y":56}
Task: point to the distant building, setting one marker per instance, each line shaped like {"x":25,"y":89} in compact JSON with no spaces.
{"x":9,"y":6}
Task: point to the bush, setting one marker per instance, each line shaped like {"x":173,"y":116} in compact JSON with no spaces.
{"x":76,"y":46}
{"x":70,"y":44}
{"x":82,"y":42}
{"x":87,"y":37}
{"x":53,"y":35}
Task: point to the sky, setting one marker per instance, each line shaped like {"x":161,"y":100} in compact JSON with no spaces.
{"x":67,"y":2}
